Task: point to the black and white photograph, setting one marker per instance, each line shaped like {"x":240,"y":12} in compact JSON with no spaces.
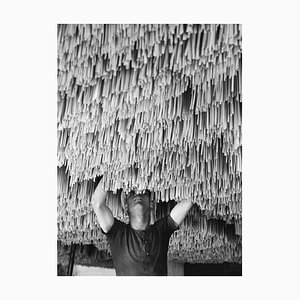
{"x":149,"y":149}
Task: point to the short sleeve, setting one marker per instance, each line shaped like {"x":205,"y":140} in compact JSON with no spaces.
{"x":167,"y":224}
{"x":171,"y":225}
{"x":117,"y":227}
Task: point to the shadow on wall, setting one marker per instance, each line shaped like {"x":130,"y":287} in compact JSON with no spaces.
{"x":62,"y":270}
{"x":225,"y":269}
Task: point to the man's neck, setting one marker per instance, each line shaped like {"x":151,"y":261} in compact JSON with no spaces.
{"x":140,"y":222}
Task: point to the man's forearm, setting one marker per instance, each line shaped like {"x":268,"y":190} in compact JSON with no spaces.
{"x":104,"y":215}
{"x":180,"y":211}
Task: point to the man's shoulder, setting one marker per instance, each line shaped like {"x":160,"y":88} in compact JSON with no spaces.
{"x":166,"y":222}
{"x":120,"y":224}
{"x":161,"y":220}
{"x":117,"y":227}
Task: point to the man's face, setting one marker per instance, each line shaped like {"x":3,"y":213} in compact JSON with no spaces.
{"x":138,"y":201}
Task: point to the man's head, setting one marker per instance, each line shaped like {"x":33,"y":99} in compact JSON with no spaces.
{"x":138,"y":203}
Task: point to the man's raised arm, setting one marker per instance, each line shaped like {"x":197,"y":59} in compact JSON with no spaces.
{"x":179,"y":212}
{"x":104,"y":215}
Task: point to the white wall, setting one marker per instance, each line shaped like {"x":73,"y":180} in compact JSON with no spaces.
{"x":92,"y":271}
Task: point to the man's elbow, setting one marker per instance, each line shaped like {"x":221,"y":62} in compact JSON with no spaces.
{"x":105,"y":228}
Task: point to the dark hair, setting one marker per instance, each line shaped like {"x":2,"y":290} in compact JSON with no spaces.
{"x":148,"y":192}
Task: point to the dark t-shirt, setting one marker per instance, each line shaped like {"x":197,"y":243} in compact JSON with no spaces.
{"x":141,"y":252}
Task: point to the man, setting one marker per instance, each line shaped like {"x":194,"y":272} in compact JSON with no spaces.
{"x":138,"y":248}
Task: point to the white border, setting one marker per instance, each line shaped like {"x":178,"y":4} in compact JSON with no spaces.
{"x":270,"y":154}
